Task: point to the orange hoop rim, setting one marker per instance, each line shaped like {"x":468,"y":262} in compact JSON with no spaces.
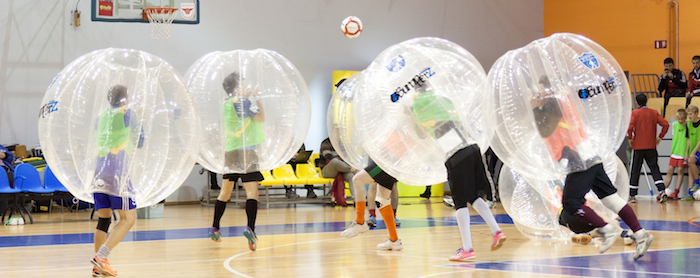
{"x":158,"y":10}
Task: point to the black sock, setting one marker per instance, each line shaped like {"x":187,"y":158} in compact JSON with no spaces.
{"x":633,"y":192}
{"x":219,"y":208}
{"x":251,"y":210}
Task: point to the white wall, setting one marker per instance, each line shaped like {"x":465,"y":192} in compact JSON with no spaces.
{"x":38,"y":41}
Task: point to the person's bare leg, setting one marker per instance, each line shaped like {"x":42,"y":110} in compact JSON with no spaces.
{"x":225,"y":192}
{"x":101,"y":236}
{"x":669,"y":176}
{"x":127,"y":218}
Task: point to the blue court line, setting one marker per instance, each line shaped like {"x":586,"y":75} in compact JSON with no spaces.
{"x":655,"y":264}
{"x":280,"y":229}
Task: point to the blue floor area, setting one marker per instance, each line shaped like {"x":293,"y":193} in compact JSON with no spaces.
{"x":655,"y":264}
{"x":279,"y":229}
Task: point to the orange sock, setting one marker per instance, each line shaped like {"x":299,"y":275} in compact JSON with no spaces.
{"x":360,"y":209}
{"x":388,"y":215}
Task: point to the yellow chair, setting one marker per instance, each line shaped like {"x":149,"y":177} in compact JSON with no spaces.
{"x":657,"y":104}
{"x":269,"y":180}
{"x":674,"y":104}
{"x":308,"y":172}
{"x":695,"y":101}
{"x":286,"y":174}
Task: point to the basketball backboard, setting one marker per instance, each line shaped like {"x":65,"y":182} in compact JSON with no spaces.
{"x":132,"y":10}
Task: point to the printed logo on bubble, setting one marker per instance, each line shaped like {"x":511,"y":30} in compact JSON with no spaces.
{"x":416,"y":81}
{"x":589,"y":60}
{"x":46,"y":109}
{"x":396,"y":64}
{"x":590,"y":91}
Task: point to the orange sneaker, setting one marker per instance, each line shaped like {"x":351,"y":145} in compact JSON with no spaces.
{"x":96,"y":272}
{"x":498,"y":240}
{"x":103,"y":266}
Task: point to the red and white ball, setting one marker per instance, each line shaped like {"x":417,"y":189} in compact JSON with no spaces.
{"x":351,"y":27}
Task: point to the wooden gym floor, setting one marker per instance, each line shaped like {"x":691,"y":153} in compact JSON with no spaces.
{"x":305,"y":241}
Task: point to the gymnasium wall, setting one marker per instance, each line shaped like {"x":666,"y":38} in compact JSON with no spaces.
{"x":628,"y":29}
{"x":37,"y":40}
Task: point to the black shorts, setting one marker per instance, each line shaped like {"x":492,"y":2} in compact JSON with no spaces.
{"x":254,"y":176}
{"x":379,"y":176}
{"x":467,"y":175}
{"x":574,"y":223}
{"x":241,"y":159}
{"x":577,"y":184}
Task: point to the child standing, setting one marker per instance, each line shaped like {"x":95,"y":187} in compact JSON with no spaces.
{"x":679,"y":152}
{"x":693,"y":135}
{"x":642,"y":137}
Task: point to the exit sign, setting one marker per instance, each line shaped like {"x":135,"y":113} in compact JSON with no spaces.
{"x":660,"y":44}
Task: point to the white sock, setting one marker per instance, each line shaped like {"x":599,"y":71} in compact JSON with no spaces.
{"x":103,"y":252}
{"x":483,"y":209}
{"x":463,"y":223}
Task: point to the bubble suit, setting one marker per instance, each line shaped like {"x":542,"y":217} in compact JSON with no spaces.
{"x":411,"y":94}
{"x":341,"y":124}
{"x":255,"y":109}
{"x":565,"y":88}
{"x":534,"y":205}
{"x":120,"y":122}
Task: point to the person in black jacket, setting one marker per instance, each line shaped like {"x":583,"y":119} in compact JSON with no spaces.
{"x":672,"y":82}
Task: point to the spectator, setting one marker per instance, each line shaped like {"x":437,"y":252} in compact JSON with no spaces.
{"x":7,"y":159}
{"x":693,"y":80}
{"x":672,"y":82}
{"x":641,"y":135}
{"x":335,"y":165}
{"x":309,"y":188}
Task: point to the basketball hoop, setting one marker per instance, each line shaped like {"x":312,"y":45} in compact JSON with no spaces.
{"x":160,"y":18}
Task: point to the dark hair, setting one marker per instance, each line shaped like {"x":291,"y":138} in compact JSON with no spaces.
{"x":641,"y":99}
{"x":117,"y":94}
{"x":231,"y":82}
{"x":337,"y":85}
{"x":544,"y":81}
{"x":668,"y":61}
{"x":696,"y":57}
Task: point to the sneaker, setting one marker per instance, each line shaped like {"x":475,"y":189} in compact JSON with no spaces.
{"x":695,"y":187}
{"x":583,"y":239}
{"x":20,"y":221}
{"x":688,"y":198}
{"x":447,"y":200}
{"x":463,"y":256}
{"x":354,"y":229}
{"x":103,"y":266}
{"x":632,"y":199}
{"x":96,"y":272}
{"x":398,"y":223}
{"x":491,"y":205}
{"x":11,"y":221}
{"x":389,"y":245}
{"x":311,"y":194}
{"x":291,"y":194}
{"x":643,"y":240}
{"x":498,"y":240}
{"x":214,"y":234}
{"x":674,"y":195}
{"x":252,"y":238}
{"x":372,"y":222}
{"x":662,"y":197}
{"x":627,"y":236}
{"x":426,"y":194}
{"x":609,"y":237}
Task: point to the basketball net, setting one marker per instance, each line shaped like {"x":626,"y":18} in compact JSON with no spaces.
{"x":160,"y":18}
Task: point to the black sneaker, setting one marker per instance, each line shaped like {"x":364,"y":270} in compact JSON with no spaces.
{"x":311,"y":194}
{"x":291,"y":194}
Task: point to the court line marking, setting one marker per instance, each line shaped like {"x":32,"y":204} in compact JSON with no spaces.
{"x":227,"y":262}
{"x":690,"y":221}
{"x":601,"y":269}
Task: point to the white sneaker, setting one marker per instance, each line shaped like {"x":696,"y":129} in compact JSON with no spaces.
{"x":355,"y":229}
{"x":609,"y":237}
{"x":643,"y":240}
{"x":20,"y":221}
{"x":491,"y":205}
{"x":390,"y":245}
{"x":448,"y":201}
